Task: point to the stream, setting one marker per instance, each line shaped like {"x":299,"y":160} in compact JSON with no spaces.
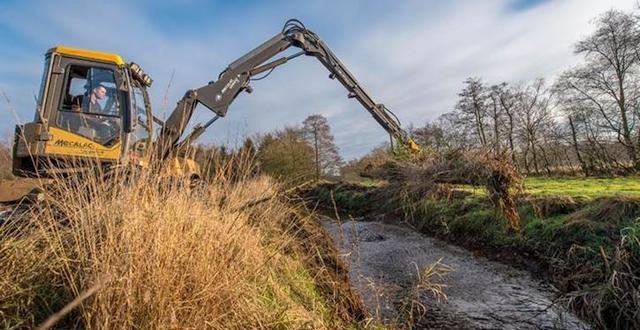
{"x":384,"y":260}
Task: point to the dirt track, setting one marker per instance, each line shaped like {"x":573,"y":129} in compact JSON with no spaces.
{"x":384,"y":258}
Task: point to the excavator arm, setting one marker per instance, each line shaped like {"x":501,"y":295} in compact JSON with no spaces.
{"x":219,"y":94}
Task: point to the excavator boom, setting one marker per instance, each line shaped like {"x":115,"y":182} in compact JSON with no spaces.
{"x":218,"y":95}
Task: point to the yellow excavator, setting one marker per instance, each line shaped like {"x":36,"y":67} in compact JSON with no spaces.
{"x":94,"y":106}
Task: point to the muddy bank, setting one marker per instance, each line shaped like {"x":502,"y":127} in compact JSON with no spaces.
{"x":383,"y":264}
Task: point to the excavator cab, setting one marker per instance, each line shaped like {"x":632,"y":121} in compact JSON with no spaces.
{"x":91,"y":106}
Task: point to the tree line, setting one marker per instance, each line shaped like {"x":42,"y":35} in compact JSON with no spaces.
{"x":586,"y":122}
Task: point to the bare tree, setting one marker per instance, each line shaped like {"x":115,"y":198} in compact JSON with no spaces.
{"x":507,"y":97}
{"x":472,"y":108}
{"x":595,"y":145}
{"x":431,"y":135}
{"x":497,"y":115}
{"x":317,"y":133}
{"x":533,"y":114}
{"x":608,"y":79}
{"x":458,"y":132}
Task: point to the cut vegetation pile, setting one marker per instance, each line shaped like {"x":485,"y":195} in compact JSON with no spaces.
{"x":154,"y":255}
{"x":482,"y":169}
{"x":588,"y":246}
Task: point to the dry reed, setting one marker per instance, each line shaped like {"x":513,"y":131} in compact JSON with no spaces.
{"x":174,"y":257}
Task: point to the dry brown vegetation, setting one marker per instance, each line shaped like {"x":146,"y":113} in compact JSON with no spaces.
{"x":432,"y":174}
{"x":148,"y":254}
{"x":5,"y":162}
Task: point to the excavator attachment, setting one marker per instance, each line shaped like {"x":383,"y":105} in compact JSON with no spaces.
{"x":413,"y":146}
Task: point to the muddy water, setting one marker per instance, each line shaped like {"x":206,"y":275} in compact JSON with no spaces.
{"x":481,"y":294}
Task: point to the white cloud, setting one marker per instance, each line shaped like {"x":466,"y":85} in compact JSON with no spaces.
{"x":412,"y":56}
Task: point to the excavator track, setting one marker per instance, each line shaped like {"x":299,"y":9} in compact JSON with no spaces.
{"x":17,"y":195}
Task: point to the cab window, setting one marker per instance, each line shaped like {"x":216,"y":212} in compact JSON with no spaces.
{"x":90,"y":106}
{"x":43,"y":85}
{"x":142,"y":126}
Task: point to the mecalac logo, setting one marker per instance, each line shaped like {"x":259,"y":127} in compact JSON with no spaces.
{"x":72,"y":144}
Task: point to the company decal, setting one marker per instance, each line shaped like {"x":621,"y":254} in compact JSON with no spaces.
{"x":230,"y":84}
{"x":74,"y":144}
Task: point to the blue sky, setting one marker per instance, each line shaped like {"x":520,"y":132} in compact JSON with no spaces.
{"x":410,"y":55}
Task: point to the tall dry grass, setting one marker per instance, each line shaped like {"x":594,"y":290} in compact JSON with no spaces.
{"x":5,"y":162}
{"x":145,"y":253}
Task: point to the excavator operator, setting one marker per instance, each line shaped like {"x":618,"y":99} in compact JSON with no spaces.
{"x":90,"y":115}
{"x":89,"y":102}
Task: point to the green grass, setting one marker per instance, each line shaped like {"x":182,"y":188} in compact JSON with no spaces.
{"x":367,"y":182}
{"x":579,"y":188}
{"x":588,"y":188}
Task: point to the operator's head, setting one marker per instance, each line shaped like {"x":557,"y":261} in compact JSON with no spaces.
{"x":99,"y":92}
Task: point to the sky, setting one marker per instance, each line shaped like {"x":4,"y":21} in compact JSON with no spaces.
{"x":410,"y":55}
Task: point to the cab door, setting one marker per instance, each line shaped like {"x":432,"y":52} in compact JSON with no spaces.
{"x":141,"y":137}
{"x":87,"y":108}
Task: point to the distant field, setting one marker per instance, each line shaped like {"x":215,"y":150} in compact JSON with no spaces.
{"x":583,"y":187}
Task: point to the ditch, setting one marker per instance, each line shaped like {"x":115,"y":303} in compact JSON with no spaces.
{"x":384,"y":261}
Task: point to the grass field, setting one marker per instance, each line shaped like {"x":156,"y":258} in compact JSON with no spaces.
{"x":583,"y":187}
